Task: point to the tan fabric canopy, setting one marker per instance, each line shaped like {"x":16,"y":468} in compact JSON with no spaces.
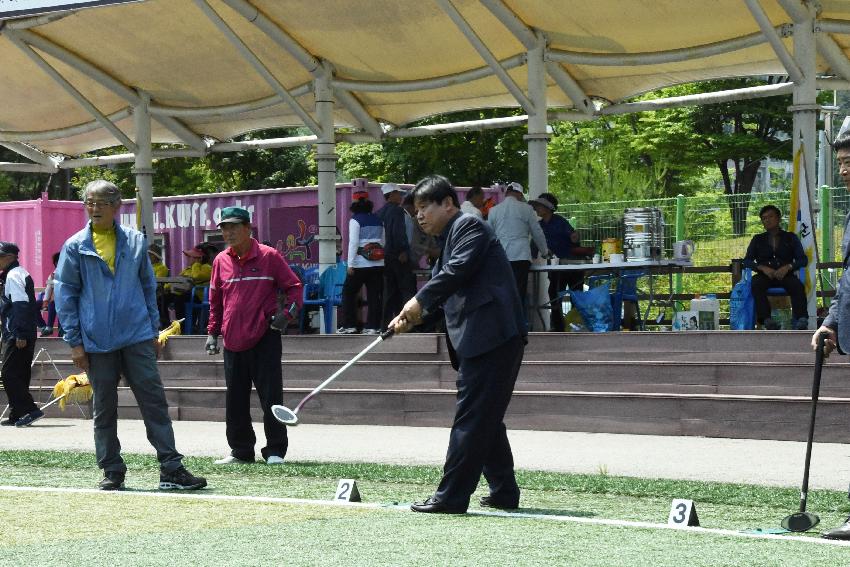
{"x":196,"y":76}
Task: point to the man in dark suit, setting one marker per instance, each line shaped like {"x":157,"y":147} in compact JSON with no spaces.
{"x":836,"y":326}
{"x":473,"y":283}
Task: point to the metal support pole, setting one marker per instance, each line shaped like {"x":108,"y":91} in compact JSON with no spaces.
{"x":143,"y":165}
{"x":537,"y":137}
{"x":326,"y":159}
{"x":680,"y":233}
{"x":805,"y":107}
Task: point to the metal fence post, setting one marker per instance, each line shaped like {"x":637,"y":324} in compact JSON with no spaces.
{"x":827,"y":237}
{"x":680,"y":233}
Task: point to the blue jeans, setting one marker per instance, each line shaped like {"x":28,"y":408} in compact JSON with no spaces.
{"x":137,"y":363}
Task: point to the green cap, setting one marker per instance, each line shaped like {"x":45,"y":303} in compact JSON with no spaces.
{"x":234,"y":214}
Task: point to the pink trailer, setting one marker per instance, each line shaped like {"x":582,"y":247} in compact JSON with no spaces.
{"x":39,"y":228}
{"x":287,"y":217}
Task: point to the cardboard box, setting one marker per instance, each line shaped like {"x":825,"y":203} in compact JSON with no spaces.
{"x":686,"y":321}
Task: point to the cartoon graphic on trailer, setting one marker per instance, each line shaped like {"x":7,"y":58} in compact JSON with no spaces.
{"x":297,"y":248}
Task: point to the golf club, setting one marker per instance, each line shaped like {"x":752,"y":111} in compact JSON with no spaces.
{"x":290,"y":417}
{"x":803,"y":521}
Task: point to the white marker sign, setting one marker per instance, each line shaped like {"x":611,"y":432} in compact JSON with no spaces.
{"x":682,"y":513}
{"x":346,"y":491}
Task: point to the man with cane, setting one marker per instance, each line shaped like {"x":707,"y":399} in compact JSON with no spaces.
{"x":836,"y":326}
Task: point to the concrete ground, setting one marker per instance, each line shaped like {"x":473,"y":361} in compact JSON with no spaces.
{"x":776,"y":463}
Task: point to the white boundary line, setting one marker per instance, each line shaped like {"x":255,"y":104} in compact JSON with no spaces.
{"x":510,"y":515}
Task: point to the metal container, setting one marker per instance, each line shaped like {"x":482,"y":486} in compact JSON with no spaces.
{"x":644,"y":233}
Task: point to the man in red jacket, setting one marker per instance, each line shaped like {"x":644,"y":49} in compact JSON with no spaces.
{"x":244,"y":286}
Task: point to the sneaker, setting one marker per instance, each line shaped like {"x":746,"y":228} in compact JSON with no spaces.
{"x":274,"y":460}
{"x":371,"y":331}
{"x":9,"y":421}
{"x":46,"y":332}
{"x":231,"y":460}
{"x":771,"y":325}
{"x":801,"y":324}
{"x":30,"y":418}
{"x":180,"y":479}
{"x":112,"y":480}
{"x":347,"y":330}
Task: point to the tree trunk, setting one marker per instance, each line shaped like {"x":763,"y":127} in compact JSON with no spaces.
{"x":739,"y":192}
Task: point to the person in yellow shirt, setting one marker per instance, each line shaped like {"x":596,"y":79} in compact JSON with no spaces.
{"x":197,"y":274}
{"x":160,"y":270}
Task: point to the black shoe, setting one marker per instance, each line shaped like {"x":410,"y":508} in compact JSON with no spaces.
{"x":431,"y":506}
{"x":10,"y":421}
{"x":30,"y":418}
{"x":180,"y":479}
{"x":490,"y":502}
{"x":841,"y":532}
{"x":112,"y":480}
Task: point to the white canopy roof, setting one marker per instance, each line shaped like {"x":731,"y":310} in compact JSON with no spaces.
{"x":217,"y":68}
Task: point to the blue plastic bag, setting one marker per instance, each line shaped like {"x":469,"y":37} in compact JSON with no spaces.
{"x":595,"y":308}
{"x":742,"y":307}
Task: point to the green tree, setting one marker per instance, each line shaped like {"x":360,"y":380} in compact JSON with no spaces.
{"x":467,"y":158}
{"x":734,"y":137}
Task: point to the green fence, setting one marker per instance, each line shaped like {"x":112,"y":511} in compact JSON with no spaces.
{"x":707,"y":220}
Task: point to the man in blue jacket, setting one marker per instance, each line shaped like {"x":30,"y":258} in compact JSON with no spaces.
{"x":473,"y":284}
{"x":106,"y":299}
{"x":18,"y":314}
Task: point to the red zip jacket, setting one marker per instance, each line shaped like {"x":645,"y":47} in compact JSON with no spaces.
{"x":243,"y":294}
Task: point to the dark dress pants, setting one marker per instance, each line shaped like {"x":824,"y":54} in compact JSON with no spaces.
{"x":399,"y":287}
{"x":478,"y":442}
{"x":17,"y":373}
{"x":520,"y":269}
{"x":791,"y":283}
{"x":373,"y":279}
{"x":261,"y":366}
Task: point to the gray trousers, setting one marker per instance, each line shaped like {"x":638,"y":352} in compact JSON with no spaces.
{"x":137,"y":363}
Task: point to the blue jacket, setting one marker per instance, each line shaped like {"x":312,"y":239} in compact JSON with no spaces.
{"x":103,"y":311}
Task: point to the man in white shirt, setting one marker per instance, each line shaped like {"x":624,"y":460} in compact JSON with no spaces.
{"x":474,"y":202}
{"x":515,"y":223}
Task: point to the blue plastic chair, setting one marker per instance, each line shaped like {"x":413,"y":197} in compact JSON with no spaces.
{"x":324,"y":291}
{"x":202,"y":308}
{"x":773,"y":291}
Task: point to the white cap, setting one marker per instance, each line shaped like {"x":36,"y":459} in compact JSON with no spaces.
{"x":388,"y":188}
{"x":514,"y":186}
{"x":845,"y":127}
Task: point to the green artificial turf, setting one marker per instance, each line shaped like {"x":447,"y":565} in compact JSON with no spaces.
{"x":107,"y":529}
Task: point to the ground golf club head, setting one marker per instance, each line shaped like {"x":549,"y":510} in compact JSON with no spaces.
{"x":800,"y":522}
{"x":285,"y":415}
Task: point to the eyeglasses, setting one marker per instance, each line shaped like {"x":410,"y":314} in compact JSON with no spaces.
{"x":101,"y":204}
